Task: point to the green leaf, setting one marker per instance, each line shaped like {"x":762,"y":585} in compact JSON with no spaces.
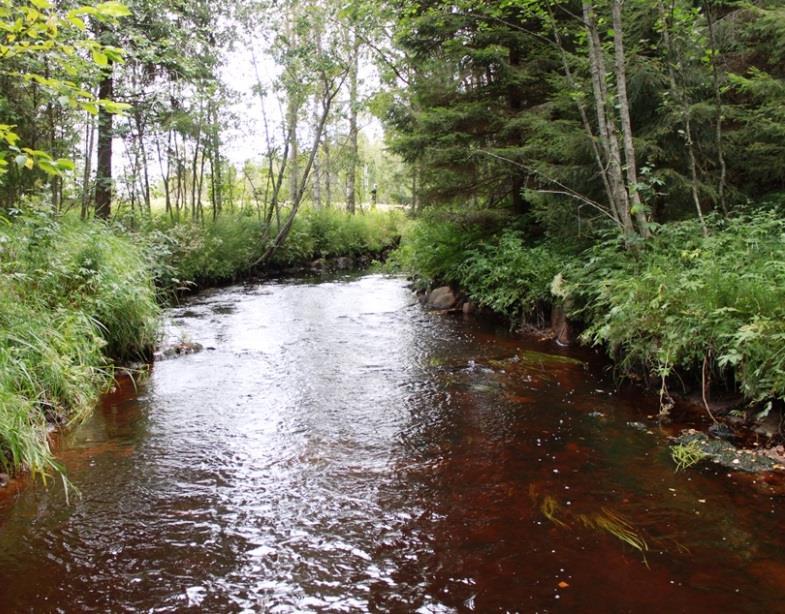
{"x":113,"y":9}
{"x":113,"y":107}
{"x":48,"y":167}
{"x":100,"y":58}
{"x":64,"y":164}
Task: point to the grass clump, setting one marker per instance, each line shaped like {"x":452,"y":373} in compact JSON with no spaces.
{"x":685,"y":455}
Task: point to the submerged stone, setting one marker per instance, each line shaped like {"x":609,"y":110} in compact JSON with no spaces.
{"x":531,"y":356}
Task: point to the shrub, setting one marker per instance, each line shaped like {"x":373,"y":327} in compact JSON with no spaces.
{"x":512,"y":277}
{"x":495,"y":265}
{"x":683,"y":298}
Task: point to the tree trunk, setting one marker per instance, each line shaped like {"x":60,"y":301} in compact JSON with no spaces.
{"x":626,"y":124}
{"x":351,"y":176}
{"x":605,"y":121}
{"x":715,"y":76}
{"x":602,"y":165}
{"x":680,"y":95}
{"x":294,"y":167}
{"x":283,"y":230}
{"x":103,"y":171}
{"x":88,"y":164}
{"x":328,"y":186}
{"x":317,"y":167}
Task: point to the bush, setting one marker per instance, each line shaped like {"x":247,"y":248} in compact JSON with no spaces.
{"x":494,"y":264}
{"x":511,"y":277}
{"x":435,"y":247}
{"x":684,"y":298}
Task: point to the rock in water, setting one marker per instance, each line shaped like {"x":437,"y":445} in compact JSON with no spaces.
{"x":442,"y":298}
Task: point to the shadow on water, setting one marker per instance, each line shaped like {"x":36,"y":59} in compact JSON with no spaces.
{"x":342,"y":450}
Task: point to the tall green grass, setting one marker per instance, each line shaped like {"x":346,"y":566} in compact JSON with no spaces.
{"x":192,"y":254}
{"x":74,"y":298}
{"x":328,"y":233}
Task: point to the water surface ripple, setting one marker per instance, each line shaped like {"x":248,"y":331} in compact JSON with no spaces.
{"x":337,"y":448}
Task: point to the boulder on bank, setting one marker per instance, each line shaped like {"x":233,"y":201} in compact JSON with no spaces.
{"x":724,"y":453}
{"x":319,"y":265}
{"x":442,"y":298}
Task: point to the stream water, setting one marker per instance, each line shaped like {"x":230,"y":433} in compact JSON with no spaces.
{"x":338,"y":448}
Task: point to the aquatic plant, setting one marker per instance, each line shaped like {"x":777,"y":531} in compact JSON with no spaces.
{"x":606,"y":520}
{"x":549,"y":508}
{"x":615,"y":525}
{"x":685,"y":455}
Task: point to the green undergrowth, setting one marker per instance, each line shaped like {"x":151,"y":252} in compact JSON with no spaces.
{"x":682,"y":303}
{"x":486,"y":257}
{"x":74,"y":298}
{"x":190,"y":254}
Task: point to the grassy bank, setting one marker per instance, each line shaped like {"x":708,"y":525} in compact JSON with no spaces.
{"x":192,"y":254}
{"x":77,"y":298}
{"x":73,"y":299}
{"x":681,"y":303}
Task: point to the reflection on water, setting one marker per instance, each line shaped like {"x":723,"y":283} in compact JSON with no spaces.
{"x":338,"y":449}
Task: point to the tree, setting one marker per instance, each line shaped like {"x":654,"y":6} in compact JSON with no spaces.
{"x":51,"y":51}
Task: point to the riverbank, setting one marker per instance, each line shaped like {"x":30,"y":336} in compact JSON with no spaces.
{"x":78,"y":298}
{"x":695,"y":317}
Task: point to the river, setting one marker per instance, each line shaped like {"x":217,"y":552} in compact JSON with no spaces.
{"x":337,"y":448}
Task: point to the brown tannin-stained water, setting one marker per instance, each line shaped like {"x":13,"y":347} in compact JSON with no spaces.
{"x":340,"y":449}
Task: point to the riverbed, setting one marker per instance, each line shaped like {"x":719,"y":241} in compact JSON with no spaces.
{"x":335,"y":447}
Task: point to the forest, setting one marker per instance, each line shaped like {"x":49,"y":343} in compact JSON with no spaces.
{"x":620,"y":162}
